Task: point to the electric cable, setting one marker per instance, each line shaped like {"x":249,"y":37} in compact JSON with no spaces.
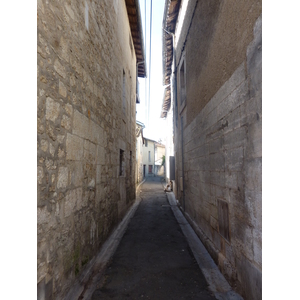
{"x":149,"y":88}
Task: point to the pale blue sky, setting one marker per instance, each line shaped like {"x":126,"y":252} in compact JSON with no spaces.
{"x":155,"y":129}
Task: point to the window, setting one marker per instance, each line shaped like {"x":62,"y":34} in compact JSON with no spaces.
{"x":146,"y":143}
{"x":124,"y":93}
{"x":122,"y":163}
{"x":130,"y":162}
{"x":149,"y":156}
{"x":223,"y":216}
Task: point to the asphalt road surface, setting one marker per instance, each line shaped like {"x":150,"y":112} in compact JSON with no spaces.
{"x":153,"y":259}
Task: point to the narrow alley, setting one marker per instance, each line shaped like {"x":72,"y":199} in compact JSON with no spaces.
{"x":168,"y":92}
{"x":153,"y":260}
{"x":155,"y":256}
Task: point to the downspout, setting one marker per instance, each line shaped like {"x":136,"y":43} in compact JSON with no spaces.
{"x":174,"y":89}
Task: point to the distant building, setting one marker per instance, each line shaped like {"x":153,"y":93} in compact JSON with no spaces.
{"x":148,"y":158}
{"x":159,"y":154}
{"x":139,"y":152}
{"x":212,"y":64}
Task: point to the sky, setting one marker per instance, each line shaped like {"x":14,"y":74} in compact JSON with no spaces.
{"x":155,"y":127}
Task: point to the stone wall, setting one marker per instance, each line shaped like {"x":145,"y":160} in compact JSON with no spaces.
{"x":86,"y":82}
{"x":219,"y":184}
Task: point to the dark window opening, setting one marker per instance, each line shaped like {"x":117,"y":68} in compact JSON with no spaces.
{"x":124,"y":93}
{"x":130,"y":162}
{"x":122,"y":163}
{"x":223,"y":216}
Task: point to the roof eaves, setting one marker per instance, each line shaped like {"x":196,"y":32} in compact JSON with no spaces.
{"x":139,"y":42}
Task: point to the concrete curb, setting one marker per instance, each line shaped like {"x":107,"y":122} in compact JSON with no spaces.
{"x":87,"y":283}
{"x":215,"y":279}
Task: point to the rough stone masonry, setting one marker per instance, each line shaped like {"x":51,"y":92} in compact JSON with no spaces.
{"x":218,"y":135}
{"x":86,"y":83}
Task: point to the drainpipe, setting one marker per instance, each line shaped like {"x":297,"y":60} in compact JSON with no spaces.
{"x":174,"y":91}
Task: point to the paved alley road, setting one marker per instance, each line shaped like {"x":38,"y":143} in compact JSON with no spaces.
{"x":153,"y":259}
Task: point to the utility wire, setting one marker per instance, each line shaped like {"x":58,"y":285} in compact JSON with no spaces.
{"x":146,"y":81}
{"x":149,"y":89}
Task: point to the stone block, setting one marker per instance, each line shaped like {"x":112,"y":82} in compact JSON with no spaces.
{"x":234,"y":159}
{"x":194,"y":190}
{"x":235,"y":99}
{"x":257,"y":246}
{"x":235,"y":138}
{"x":254,"y":145}
{"x":98,"y":174}
{"x":59,"y":68}
{"x":229,"y":254}
{"x":40,"y":126}
{"x":44,"y":145}
{"x":216,"y":145}
{"x":72,"y":201}
{"x":232,"y":179}
{"x":253,"y":202}
{"x":250,"y":278}
{"x":66,"y":122}
{"x":242,"y":237}
{"x":97,"y":135}
{"x":214,"y":223}
{"x":253,"y":174}
{"x":80,"y":125}
{"x":218,"y":178}
{"x":218,"y":192}
{"x":69,"y":109}
{"x":43,"y":215}
{"x":217,"y":161}
{"x":63,"y":176}
{"x":216,"y":239}
{"x":60,"y":139}
{"x":51,"y":149}
{"x":62,"y":89}
{"x":233,"y":120}
{"x":70,"y":11}
{"x":89,"y":152}
{"x":50,"y":164}
{"x":52,"y":109}
{"x":40,"y":174}
{"x":74,"y":147}
{"x":44,"y":289}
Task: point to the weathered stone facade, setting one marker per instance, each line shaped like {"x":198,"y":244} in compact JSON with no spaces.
{"x":217,"y":126}
{"x":86,"y":83}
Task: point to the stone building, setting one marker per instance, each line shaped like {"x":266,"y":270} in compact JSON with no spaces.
{"x":212,"y":62}
{"x":159,"y":157}
{"x":90,"y":54}
{"x":139,"y":152}
{"x":148,"y":158}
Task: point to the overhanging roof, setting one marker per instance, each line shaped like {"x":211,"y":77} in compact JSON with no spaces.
{"x":134,"y":16}
{"x":168,"y":28}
